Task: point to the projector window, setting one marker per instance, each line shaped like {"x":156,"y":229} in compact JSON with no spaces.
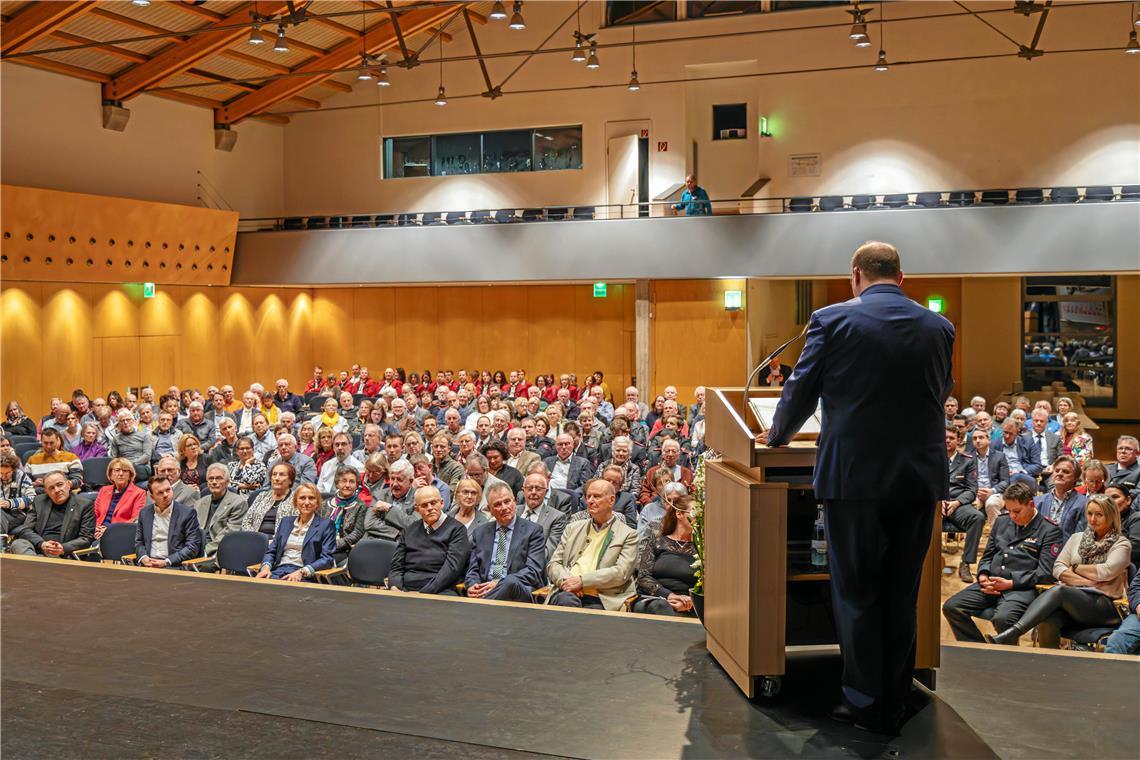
{"x":730,"y":122}
{"x":515,"y":150}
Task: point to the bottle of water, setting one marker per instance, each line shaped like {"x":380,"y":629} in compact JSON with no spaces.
{"x":819,"y":542}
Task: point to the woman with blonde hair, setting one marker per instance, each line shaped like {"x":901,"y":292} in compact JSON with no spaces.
{"x":1092,"y":570}
{"x":303,"y":542}
{"x":465,"y":504}
{"x":323,"y":450}
{"x":1074,"y":440}
{"x":192,"y":463}
{"x":122,"y":500}
{"x":307,"y":439}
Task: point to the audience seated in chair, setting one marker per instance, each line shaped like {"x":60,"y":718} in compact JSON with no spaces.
{"x":393,"y":506}
{"x":16,"y":491}
{"x":287,"y":452}
{"x":465,"y":507}
{"x":625,"y":502}
{"x":566,"y":470}
{"x":132,"y":441}
{"x":52,"y":458}
{"x":594,"y":563}
{"x":58,"y":522}
{"x":1018,"y":556}
{"x":543,"y":505}
{"x":507,"y":555}
{"x":122,"y":500}
{"x":342,"y":457}
{"x":89,"y":446}
{"x":1063,"y":505}
{"x":666,"y":575}
{"x":431,"y":554}
{"x":247,"y":472}
{"x":1093,"y":571}
{"x":167,"y":532}
{"x":220,"y":511}
{"x":670,"y":461}
{"x":303,"y":543}
{"x":993,"y":475}
{"x":346,"y":512}
{"x":270,"y":506}
{"x":168,"y":467}
{"x":1126,"y":638}
{"x":958,"y":510}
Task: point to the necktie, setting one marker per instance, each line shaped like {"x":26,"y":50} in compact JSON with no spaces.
{"x":499,"y":556}
{"x":1041,"y":448}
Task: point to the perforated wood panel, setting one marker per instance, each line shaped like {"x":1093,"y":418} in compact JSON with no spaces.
{"x":51,"y":235}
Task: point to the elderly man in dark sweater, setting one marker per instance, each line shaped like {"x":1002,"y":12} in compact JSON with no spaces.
{"x":431,"y":556}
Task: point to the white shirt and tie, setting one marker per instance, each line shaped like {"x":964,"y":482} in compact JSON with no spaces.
{"x":1043,"y":448}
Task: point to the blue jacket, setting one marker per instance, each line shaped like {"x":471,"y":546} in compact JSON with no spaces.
{"x":1073,"y":518}
{"x":184,"y":541}
{"x":526,"y":556}
{"x":872,"y":360}
{"x":316,"y":552}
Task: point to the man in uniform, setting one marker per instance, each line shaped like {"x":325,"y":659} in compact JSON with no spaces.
{"x":1019,"y":555}
{"x":958,"y":509}
{"x":879,"y":356}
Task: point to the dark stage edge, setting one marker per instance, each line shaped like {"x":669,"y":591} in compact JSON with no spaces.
{"x":323,"y":671}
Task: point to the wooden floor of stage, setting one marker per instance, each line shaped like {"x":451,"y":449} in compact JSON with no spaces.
{"x":101,"y":661}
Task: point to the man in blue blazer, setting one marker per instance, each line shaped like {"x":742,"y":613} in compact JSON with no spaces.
{"x":879,"y":357}
{"x":167,"y":532}
{"x":507,"y":555}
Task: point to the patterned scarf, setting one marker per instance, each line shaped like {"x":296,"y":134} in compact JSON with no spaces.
{"x":1092,"y":551}
{"x":327,"y":421}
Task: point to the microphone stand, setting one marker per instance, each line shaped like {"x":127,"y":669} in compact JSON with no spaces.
{"x":770,"y":357}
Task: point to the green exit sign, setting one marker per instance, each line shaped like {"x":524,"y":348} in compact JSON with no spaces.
{"x":599,"y":290}
{"x":148,"y":290}
{"x":936,"y":304}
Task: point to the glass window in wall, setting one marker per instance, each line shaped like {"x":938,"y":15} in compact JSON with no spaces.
{"x":709,"y":8}
{"x":620,"y":12}
{"x":1069,"y":336}
{"x":407,"y":157}
{"x":558,"y":148}
{"x":508,"y":151}
{"x":456,"y":154}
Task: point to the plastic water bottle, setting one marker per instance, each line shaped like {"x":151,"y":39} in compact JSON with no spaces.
{"x":818,"y":541}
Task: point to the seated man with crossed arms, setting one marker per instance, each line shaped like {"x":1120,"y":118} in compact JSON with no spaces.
{"x":508,"y":554}
{"x":594,"y":562}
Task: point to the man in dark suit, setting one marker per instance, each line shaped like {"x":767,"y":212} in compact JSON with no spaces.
{"x":167,"y":532}
{"x":958,"y":508}
{"x":1020,"y":451}
{"x":431,"y":555}
{"x":58,"y":523}
{"x":566,"y":470}
{"x":1048,"y":444}
{"x":508,"y":556}
{"x":1125,"y":470}
{"x":879,"y":356}
{"x":993,"y":475}
{"x":625,"y":504}
{"x":546,"y":508}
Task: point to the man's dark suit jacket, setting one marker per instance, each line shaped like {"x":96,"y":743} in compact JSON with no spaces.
{"x":317,"y":549}
{"x":430,"y":563}
{"x":78,"y":529}
{"x":998,"y":469}
{"x":184,"y":541}
{"x":526,"y":555}
{"x":580,"y":471}
{"x":511,"y":476}
{"x":626,"y":506}
{"x":963,"y":479}
{"x":908,"y":382}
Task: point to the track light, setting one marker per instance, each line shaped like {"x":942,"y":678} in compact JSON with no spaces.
{"x":881,"y":64}
{"x":516,"y":17}
{"x":364,"y":75}
{"x":140,"y":3}
{"x":441,"y":97}
{"x":382,"y":77}
{"x":255,"y":37}
{"x":1133,"y":46}
{"x":592,"y":61}
{"x":634,"y":85}
{"x":859,"y":34}
{"x":498,"y":12}
{"x":282,"y":44}
{"x":579,"y":53}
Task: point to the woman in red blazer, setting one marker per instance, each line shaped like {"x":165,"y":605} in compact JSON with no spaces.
{"x":122,"y":500}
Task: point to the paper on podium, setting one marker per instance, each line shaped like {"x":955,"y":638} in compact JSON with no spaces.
{"x":764,"y":410}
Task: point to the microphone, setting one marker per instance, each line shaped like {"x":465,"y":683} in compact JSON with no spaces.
{"x":764,"y":362}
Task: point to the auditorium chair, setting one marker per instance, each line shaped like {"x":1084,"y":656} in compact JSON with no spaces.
{"x":583,"y":212}
{"x":361,"y":221}
{"x":294,"y":223}
{"x":95,"y":473}
{"x":238,"y":551}
{"x":25,"y":450}
{"x":482,"y":216}
{"x":896,"y":200}
{"x":1092,"y":639}
{"x":799,"y":205}
{"x":1099,"y":194}
{"x":318,"y":223}
{"x":117,"y":543}
{"x":862,"y":202}
{"x":368,"y":564}
{"x":357,"y":398}
{"x":532,"y":215}
{"x":995,"y":197}
{"x":385,"y":220}
{"x":406,"y":220}
{"x":557,"y":214}
{"x":960,"y":198}
{"x":831,"y":203}
{"x":505,"y":216}
{"x":1029,"y":195}
{"x":431,"y":219}
{"x":928,"y":200}
{"x":457,"y":217}
{"x":1129,"y":193}
{"x":336,"y":222}
{"x":316,"y":402}
{"x":1064,"y":195}
{"x":22,"y":439}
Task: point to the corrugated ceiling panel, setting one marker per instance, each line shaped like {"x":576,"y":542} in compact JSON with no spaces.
{"x":92,"y":59}
{"x":103,"y":30}
{"x":10,"y":9}
{"x":234,"y":69}
{"x":159,"y":14}
{"x":223,"y":6}
{"x":316,"y":34}
{"x":291,"y":58}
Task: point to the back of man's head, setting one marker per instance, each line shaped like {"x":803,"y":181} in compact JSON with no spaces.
{"x":877,"y":261}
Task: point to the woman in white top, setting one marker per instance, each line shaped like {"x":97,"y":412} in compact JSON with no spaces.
{"x":1092,"y":570}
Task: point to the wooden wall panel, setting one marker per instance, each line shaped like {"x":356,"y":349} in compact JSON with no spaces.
{"x":160,"y":362}
{"x":374,"y":331}
{"x":695,"y":341}
{"x":199,"y":339}
{"x":418,"y":337}
{"x":332,"y":311}
{"x":21,"y":362}
{"x":66,"y":339}
{"x":120,"y":367}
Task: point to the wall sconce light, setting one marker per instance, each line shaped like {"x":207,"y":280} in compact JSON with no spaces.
{"x":733,"y":300}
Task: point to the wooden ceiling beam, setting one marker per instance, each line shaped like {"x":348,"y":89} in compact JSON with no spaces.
{"x":35,"y":22}
{"x":196,"y":10}
{"x":380,"y":37}
{"x":61,"y":68}
{"x":175,"y":60}
{"x":106,"y":47}
{"x":224,"y":81}
{"x":278,"y":68}
{"x":134,"y":23}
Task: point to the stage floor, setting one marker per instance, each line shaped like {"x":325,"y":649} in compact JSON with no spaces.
{"x":105,"y":661}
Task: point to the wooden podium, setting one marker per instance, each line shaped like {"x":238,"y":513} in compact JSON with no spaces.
{"x":762,"y":594}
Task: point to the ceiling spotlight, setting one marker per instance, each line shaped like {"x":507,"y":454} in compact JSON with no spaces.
{"x":881,"y":64}
{"x":140,"y":3}
{"x":592,"y":61}
{"x":382,"y":77}
{"x":282,"y":44}
{"x":364,"y":75}
{"x":1133,"y":46}
{"x":498,"y":12}
{"x":255,"y":37}
{"x":579,"y":53}
{"x":634,"y":85}
{"x":859,"y":34}
{"x":441,"y":97}
{"x":516,"y":17}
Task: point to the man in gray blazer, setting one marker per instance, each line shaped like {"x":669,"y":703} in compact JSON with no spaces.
{"x":219,"y":512}
{"x":287,"y":452}
{"x":566,"y":470}
{"x":537,"y":508}
{"x":1048,"y":444}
